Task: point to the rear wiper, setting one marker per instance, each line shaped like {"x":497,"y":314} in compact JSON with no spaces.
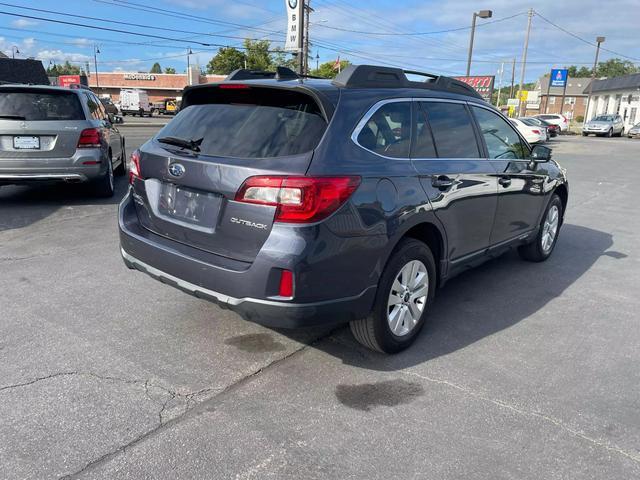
{"x":193,"y":145}
{"x":13,"y":117}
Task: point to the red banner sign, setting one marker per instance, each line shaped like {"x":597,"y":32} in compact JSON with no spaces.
{"x":482,"y":85}
{"x":68,"y":80}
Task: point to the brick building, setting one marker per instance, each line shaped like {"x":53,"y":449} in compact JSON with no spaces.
{"x":575,"y":100}
{"x":157,"y":85}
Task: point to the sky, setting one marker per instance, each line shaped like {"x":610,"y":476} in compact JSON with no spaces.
{"x":425,"y":35}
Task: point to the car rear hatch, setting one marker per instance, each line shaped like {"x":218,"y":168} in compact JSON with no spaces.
{"x":192,"y":170}
{"x":38,"y":123}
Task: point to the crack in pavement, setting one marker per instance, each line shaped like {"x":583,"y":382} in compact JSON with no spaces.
{"x":559,"y":423}
{"x":188,"y":413}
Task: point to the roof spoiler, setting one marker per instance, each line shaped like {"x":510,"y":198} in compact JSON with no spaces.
{"x":370,"y":76}
{"x":281,"y":73}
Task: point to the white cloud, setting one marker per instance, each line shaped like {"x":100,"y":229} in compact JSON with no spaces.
{"x":59,"y":56}
{"x":23,"y":23}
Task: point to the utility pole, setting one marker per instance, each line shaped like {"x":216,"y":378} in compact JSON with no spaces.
{"x":307,"y":11}
{"x":96,"y":51}
{"x":513,"y":77}
{"x":317,"y":61}
{"x":481,"y":14}
{"x":301,"y":36}
{"x":524,"y":58}
{"x":500,"y":83}
{"x":599,"y":40}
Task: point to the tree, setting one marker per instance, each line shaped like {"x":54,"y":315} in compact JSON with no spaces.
{"x":258,"y":54}
{"x":280,"y":58}
{"x":614,"y":67}
{"x":65,"y":69}
{"x":156,"y":68}
{"x":328,"y":70}
{"x":575,"y":72}
{"x":226,"y":61}
{"x":170,"y":70}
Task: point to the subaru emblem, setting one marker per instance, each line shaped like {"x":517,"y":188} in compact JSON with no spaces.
{"x":176,"y":170}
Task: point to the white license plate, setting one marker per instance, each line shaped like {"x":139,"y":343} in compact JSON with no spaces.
{"x":26,"y":143}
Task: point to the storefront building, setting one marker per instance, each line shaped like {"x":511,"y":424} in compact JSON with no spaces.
{"x":617,"y":95}
{"x":157,"y":85}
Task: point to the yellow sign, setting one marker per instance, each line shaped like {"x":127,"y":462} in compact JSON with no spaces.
{"x":523,"y":94}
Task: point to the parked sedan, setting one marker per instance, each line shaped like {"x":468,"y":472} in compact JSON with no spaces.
{"x":54,"y":134}
{"x":604,"y":125}
{"x":531,"y":134}
{"x":634,"y":132}
{"x":552,"y":129}
{"x":555,"y":118}
{"x":536,"y":124}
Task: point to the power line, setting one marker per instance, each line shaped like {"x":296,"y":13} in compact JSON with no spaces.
{"x":584,"y":40}
{"x":410,"y":34}
{"x":105,"y":20}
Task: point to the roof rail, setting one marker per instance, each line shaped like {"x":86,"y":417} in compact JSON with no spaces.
{"x":281,"y":73}
{"x":371,"y":76}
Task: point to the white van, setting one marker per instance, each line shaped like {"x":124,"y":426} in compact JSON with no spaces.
{"x":135,"y":102}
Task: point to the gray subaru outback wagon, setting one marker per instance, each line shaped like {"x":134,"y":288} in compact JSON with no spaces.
{"x":299,"y":202}
{"x":54,"y":134}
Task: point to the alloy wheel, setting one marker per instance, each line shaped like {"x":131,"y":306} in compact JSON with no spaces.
{"x":550,"y":228}
{"x":407,"y":298}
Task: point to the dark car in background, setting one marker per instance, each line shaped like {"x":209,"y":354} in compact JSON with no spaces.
{"x":300,"y":202}
{"x":54,"y":134}
{"x":552,"y":129}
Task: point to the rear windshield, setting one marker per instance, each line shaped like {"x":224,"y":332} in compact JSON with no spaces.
{"x":249,"y":122}
{"x":30,"y":105}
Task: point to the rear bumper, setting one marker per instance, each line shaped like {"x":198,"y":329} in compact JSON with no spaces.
{"x":84,"y":165}
{"x":225,"y":282}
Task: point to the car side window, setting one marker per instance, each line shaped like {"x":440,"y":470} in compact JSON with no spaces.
{"x":388,"y":130}
{"x":452,"y":130}
{"x":423,"y":144}
{"x":501,"y":138}
{"x":94,"y":110}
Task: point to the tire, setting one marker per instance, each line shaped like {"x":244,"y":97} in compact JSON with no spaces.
{"x":585,"y":134}
{"x":375,"y":332}
{"x":610,"y":133}
{"x":122,"y":168}
{"x":540,"y":249}
{"x":104,"y":186}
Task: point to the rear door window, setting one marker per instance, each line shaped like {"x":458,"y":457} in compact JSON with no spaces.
{"x":388,"y":130}
{"x":249,"y":122}
{"x":32,"y":105}
{"x":424,"y":145}
{"x":452,"y":130}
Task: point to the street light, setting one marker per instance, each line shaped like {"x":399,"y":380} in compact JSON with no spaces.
{"x":96,"y":51}
{"x":599,"y":40}
{"x":14,"y":50}
{"x":481,"y":14}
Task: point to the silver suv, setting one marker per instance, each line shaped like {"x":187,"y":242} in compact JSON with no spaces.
{"x":604,"y":125}
{"x":60,"y":135}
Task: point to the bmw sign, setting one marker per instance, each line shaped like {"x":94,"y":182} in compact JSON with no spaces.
{"x":176,"y":170}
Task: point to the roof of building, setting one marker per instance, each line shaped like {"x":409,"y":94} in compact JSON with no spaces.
{"x":575,"y":86}
{"x":624,"y":82}
{"x":20,"y":70}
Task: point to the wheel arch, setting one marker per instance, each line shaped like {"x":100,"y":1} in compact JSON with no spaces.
{"x":562,"y":191}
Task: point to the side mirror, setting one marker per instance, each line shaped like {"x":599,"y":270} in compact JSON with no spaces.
{"x":540,"y":154}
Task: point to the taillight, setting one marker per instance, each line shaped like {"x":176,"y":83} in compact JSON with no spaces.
{"x":537,"y":132}
{"x":298,"y":199}
{"x":90,"y":138}
{"x":134,"y":167}
{"x":286,"y":283}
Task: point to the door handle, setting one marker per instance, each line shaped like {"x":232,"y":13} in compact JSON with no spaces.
{"x":504,"y":181}
{"x":441,"y":181}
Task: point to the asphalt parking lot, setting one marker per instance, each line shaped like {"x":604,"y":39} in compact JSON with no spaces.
{"x":524,"y":371}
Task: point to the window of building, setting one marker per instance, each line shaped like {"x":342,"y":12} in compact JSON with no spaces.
{"x":452,"y":130}
{"x":388,"y":131}
{"x":569,"y":100}
{"x":585,"y":100}
{"x":632,"y":115}
{"x":552,"y":100}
